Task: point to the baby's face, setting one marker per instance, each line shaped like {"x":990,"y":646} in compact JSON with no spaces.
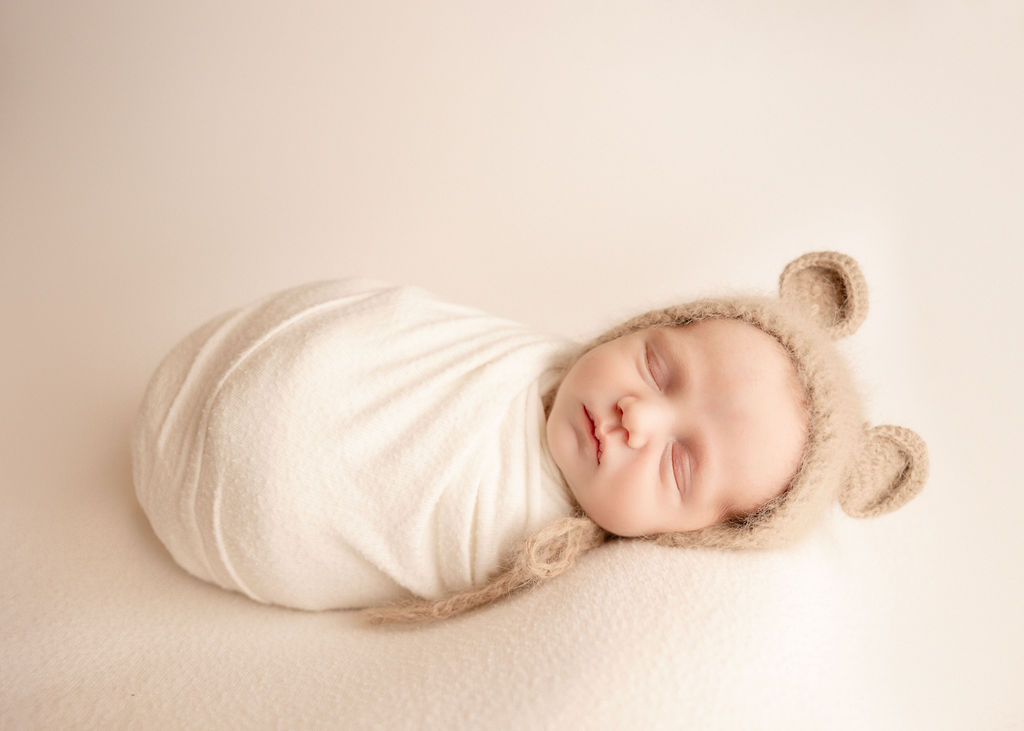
{"x":676,"y":428}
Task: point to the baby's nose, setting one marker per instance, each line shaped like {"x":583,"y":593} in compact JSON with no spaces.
{"x":642,"y":420}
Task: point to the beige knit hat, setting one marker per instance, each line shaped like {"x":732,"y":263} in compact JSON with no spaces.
{"x":870,"y":470}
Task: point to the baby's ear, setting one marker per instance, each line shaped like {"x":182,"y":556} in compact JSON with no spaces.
{"x":890,"y":470}
{"x":829,"y":287}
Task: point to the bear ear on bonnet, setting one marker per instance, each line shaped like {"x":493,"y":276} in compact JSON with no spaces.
{"x":891,"y":468}
{"x":830,"y":288}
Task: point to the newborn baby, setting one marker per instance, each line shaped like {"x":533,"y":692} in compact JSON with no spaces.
{"x":355,"y":444}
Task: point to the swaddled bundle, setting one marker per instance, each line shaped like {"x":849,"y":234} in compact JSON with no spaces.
{"x":344,"y":444}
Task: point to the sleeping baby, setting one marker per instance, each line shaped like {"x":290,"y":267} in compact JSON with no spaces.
{"x":354,"y":444}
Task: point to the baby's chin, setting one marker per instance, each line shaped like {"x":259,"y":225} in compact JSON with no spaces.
{"x":615,"y":522}
{"x":560,"y":447}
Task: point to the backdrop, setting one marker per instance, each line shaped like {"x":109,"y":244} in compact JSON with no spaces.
{"x":564,"y":164}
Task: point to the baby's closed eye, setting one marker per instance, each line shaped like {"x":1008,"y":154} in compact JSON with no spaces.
{"x":654,"y":367}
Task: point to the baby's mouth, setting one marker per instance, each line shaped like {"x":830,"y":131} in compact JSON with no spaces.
{"x":593,"y":433}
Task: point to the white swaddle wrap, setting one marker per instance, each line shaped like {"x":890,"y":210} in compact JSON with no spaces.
{"x":341,"y":444}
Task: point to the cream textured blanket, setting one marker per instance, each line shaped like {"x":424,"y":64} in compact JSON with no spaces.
{"x":345,"y":443}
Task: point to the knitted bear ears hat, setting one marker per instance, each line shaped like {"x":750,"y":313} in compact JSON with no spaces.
{"x":870,"y":470}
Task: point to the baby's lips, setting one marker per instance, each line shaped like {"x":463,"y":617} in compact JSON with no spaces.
{"x":594,"y":432}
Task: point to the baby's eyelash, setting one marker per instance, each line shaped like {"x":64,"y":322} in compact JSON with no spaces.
{"x":670,"y":457}
{"x":647,"y":364}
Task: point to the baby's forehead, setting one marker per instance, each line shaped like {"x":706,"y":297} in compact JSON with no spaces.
{"x":727,"y":340}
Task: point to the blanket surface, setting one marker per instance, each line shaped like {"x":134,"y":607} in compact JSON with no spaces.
{"x":346,"y":443}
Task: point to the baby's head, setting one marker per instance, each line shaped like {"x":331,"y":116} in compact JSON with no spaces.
{"x":731,"y":422}
{"x":676,"y":428}
{"x":725,"y":422}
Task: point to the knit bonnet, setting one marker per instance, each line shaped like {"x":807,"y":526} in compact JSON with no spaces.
{"x":870,"y":470}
